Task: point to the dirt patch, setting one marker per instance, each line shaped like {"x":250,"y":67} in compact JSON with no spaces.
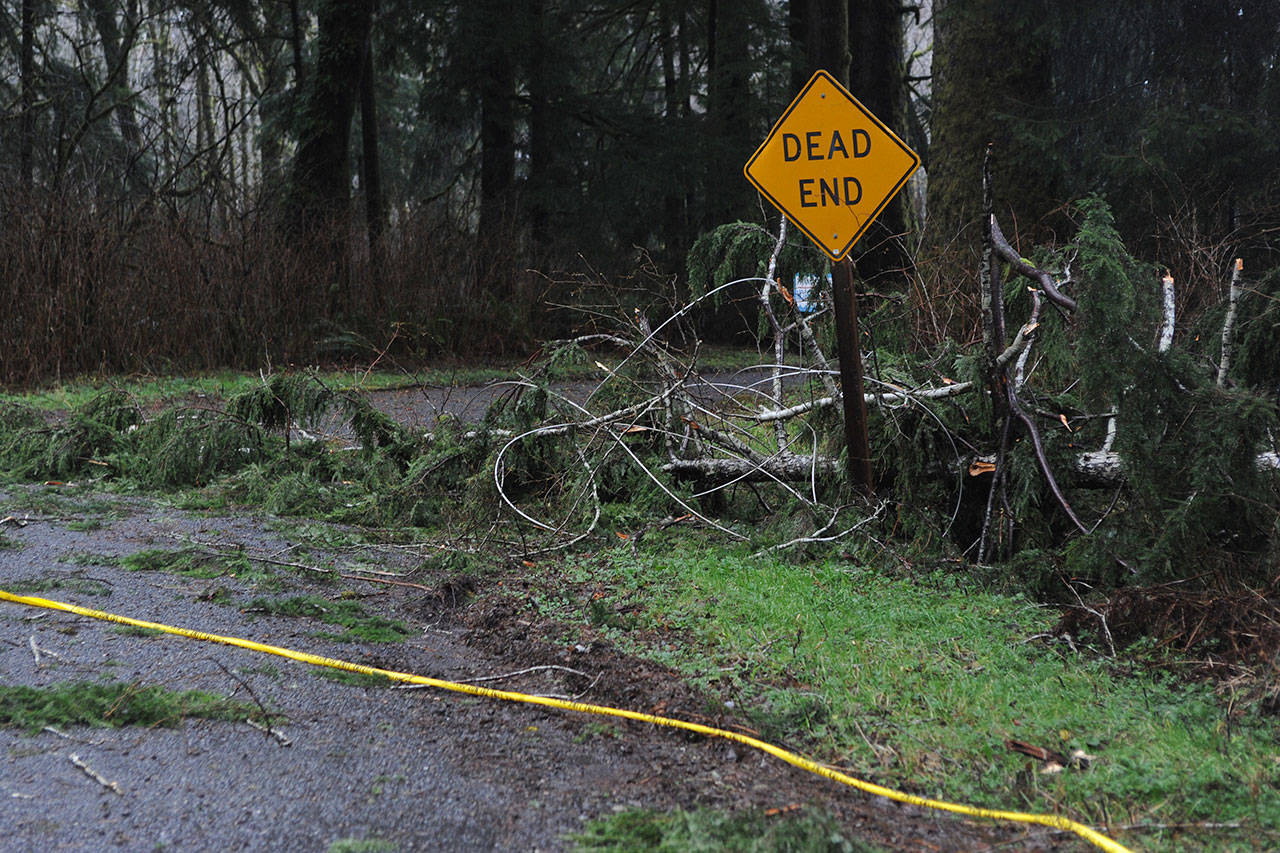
{"x":419,"y":769}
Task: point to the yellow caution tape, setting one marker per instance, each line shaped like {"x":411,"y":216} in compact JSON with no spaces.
{"x":1054,"y":821}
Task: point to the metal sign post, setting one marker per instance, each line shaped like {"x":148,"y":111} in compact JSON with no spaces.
{"x":831,"y":166}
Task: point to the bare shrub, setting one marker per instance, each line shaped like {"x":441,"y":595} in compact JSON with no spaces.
{"x":93,"y":286}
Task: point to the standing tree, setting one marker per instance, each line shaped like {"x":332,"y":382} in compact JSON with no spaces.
{"x":876,"y":79}
{"x":116,"y":48}
{"x":730,"y":104}
{"x":27,"y":75}
{"x":321,"y":181}
{"x":991,"y":64}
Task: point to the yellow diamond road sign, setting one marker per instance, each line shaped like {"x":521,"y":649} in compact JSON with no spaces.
{"x":830,"y":165}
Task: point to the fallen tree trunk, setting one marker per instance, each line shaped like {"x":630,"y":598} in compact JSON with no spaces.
{"x":788,"y":467}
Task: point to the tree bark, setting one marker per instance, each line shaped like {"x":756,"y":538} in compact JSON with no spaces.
{"x":798,"y":33}
{"x":988,"y":63}
{"x":729,"y":70}
{"x":788,"y":468}
{"x":674,"y":225}
{"x":827,"y":38}
{"x":370,"y":160}
{"x":27,"y":72}
{"x":497,"y":128}
{"x":876,"y":80}
{"x":320,"y":191}
{"x":549,"y":189}
{"x":295,"y":44}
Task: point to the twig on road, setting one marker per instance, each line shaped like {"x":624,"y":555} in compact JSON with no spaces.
{"x":96,"y":776}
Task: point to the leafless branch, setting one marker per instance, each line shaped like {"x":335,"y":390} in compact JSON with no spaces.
{"x":1228,"y":324}
{"x":114,"y":787}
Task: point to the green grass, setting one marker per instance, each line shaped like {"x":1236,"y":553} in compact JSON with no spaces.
{"x":137,"y":631}
{"x":362,"y":845}
{"x":150,"y":390}
{"x":221,"y":385}
{"x":88,"y":558}
{"x":919,"y":683}
{"x":194,"y":563}
{"x":361,"y":626}
{"x":266,"y":670}
{"x":112,"y":704}
{"x":705,"y":831}
{"x":354,"y":679}
{"x":10,"y":544}
{"x":66,"y":502}
{"x":39,"y":586}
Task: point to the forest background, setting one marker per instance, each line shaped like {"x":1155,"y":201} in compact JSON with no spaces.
{"x":196,"y":184}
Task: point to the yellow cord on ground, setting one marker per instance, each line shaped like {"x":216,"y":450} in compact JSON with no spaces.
{"x":1055,"y":821}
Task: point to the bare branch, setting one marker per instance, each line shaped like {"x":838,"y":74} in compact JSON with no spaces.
{"x":1021,"y":265}
{"x":1228,"y":324}
{"x":1167,"y":303}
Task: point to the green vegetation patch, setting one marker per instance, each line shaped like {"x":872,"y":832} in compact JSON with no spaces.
{"x":75,"y":503}
{"x":37,"y":586}
{"x":223,"y":385}
{"x":362,"y":845}
{"x":192,"y":563}
{"x":354,"y":679}
{"x":88,"y":558}
{"x":922,"y":682}
{"x":137,"y":631}
{"x":361,"y":626}
{"x":112,"y":705}
{"x":706,"y":831}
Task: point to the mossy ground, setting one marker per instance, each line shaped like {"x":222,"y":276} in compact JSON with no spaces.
{"x":111,"y":704}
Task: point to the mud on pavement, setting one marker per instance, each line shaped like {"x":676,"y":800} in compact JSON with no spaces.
{"x":416,"y":769}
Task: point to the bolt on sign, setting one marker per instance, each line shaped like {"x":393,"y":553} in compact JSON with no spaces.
{"x":830,"y":165}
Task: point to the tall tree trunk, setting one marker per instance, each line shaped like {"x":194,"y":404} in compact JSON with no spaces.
{"x":204,"y":117}
{"x":728,"y":107}
{"x":166,"y":106}
{"x":674,"y":226}
{"x":987,"y":63}
{"x":827,"y":38}
{"x":370,"y":160}
{"x":115,"y":50}
{"x":876,"y":79}
{"x":544,"y":185}
{"x":497,"y":132}
{"x":27,"y":72}
{"x":319,"y":204}
{"x":295,"y":43}
{"x":685,"y":86}
{"x":798,"y":34}
{"x":321,"y":169}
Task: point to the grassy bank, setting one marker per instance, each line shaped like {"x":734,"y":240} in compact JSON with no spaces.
{"x":921,"y":682}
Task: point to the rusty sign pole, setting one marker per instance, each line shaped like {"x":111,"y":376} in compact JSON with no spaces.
{"x":849,"y":349}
